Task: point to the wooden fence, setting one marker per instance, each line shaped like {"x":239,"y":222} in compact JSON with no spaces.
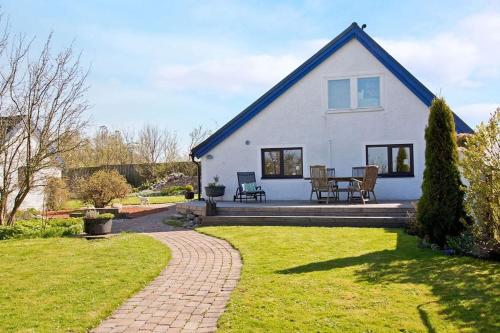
{"x":135,"y":173}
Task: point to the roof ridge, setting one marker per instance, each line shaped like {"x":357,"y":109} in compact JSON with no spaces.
{"x":353,"y":31}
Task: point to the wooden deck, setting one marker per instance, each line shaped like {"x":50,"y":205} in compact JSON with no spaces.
{"x":303,"y":213}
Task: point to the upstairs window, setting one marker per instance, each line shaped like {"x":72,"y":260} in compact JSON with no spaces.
{"x":282,"y":163}
{"x":354,"y":93}
{"x":339,"y":94}
{"x":368,"y":92}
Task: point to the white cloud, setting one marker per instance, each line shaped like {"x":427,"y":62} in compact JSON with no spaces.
{"x":461,"y":57}
{"x":473,"y":114}
{"x":236,"y":72}
{"x":230,"y":74}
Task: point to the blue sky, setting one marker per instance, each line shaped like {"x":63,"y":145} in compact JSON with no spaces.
{"x":185,"y":63}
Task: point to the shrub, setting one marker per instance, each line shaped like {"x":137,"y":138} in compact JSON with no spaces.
{"x":173,"y":190}
{"x":462,"y":244}
{"x":413,"y":227}
{"x":56,"y":193}
{"x":189,"y":188}
{"x":102,"y":187}
{"x":93,"y":214}
{"x":36,"y":228}
{"x":440,"y":209}
{"x":28,"y":214}
{"x":481,"y":167}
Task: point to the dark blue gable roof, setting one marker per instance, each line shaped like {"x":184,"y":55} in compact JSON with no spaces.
{"x":353,"y":31}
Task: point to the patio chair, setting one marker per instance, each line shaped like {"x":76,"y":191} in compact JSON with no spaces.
{"x":247,"y":188}
{"x":358,"y":172}
{"x":320,"y":183}
{"x":365,"y":186}
{"x":330,"y":172}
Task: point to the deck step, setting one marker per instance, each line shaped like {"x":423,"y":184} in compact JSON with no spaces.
{"x":313,"y":212}
{"x":330,"y":221}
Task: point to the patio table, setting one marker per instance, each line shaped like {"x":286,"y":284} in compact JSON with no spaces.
{"x":344,"y":179}
{"x":339,"y":180}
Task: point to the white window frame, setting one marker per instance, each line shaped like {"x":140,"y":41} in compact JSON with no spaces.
{"x":353,"y":79}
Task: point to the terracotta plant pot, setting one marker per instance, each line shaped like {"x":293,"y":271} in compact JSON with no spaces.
{"x":97,"y":226}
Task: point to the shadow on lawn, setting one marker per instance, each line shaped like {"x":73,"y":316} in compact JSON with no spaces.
{"x":468,"y":288}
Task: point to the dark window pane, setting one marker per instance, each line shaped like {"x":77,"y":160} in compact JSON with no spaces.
{"x":378,"y":156}
{"x":401,"y":159}
{"x":272,"y":163}
{"x":292,"y":162}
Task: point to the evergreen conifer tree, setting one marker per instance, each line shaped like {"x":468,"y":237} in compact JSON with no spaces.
{"x":440,"y":209}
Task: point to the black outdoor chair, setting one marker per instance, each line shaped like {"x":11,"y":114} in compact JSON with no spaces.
{"x":241,"y":193}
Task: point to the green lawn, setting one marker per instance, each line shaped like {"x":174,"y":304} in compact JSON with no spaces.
{"x":133,"y":200}
{"x":355,"y":280}
{"x":69,"y":284}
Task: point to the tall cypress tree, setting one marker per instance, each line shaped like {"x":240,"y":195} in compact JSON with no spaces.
{"x":440,"y":209}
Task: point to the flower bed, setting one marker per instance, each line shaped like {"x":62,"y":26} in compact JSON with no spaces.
{"x":38,"y":228}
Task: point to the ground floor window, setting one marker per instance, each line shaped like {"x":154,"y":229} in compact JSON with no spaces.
{"x":392,"y":160}
{"x":282,"y":163}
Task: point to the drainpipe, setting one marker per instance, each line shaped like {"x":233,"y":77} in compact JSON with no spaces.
{"x":198,"y":166}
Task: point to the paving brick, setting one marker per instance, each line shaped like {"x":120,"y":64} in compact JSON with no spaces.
{"x":190,"y":294}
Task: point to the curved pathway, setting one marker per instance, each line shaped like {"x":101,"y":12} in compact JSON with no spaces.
{"x":190,"y":294}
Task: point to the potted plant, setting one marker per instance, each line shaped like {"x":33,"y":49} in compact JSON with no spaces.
{"x":215,"y":189}
{"x":189,"y":194}
{"x":97,"y":224}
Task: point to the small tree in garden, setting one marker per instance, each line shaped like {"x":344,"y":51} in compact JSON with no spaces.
{"x":440,"y":210}
{"x":102,"y":187}
{"x":481,"y":167}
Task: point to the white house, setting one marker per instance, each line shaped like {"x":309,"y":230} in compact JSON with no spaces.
{"x":349,"y":105}
{"x":14,"y":154}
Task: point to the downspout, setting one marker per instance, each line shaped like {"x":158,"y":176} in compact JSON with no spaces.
{"x":198,"y":166}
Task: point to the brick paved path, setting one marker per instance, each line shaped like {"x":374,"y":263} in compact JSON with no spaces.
{"x":190,"y":294}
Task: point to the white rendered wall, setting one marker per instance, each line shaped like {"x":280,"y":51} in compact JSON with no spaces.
{"x":299,"y":118}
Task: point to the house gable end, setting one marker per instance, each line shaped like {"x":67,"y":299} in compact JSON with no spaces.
{"x":353,"y":31}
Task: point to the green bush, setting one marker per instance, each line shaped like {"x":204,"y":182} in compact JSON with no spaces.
{"x":93,"y":214}
{"x":38,"y":228}
{"x":462,"y":244}
{"x":102,"y":187}
{"x":189,"y":188}
{"x":440,"y":209}
{"x":8,"y":232}
{"x":173,"y":190}
{"x":481,"y":167}
{"x":413,"y":227}
{"x":27,"y":214}
{"x":56,"y":193}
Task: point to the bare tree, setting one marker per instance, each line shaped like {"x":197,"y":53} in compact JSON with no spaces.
{"x":151,"y":147}
{"x":41,"y":106}
{"x":110,"y":147}
{"x":151,"y":144}
{"x":197,"y":136}
{"x":171,"y":147}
